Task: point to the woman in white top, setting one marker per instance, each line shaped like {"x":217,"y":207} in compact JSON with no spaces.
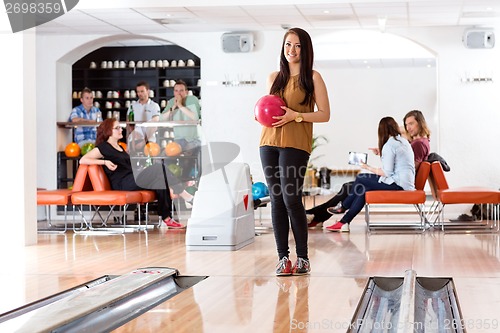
{"x":397,"y":172}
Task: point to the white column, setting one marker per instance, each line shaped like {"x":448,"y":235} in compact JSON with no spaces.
{"x":18,"y":136}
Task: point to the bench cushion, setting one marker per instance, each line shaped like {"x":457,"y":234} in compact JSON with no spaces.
{"x":106,"y":198}
{"x":147,"y":196}
{"x":53,"y":197}
{"x":470,"y":194}
{"x":395,"y":197}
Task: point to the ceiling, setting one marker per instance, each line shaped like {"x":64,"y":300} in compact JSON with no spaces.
{"x":148,"y":17}
{"x":153,"y":16}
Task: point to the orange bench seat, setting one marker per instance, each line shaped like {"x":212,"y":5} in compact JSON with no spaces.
{"x":396,"y":197}
{"x":416,"y":198}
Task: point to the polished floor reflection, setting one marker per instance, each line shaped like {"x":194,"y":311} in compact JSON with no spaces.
{"x":241,"y":293}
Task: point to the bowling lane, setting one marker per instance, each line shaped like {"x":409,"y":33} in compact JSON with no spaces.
{"x":250,"y":304}
{"x":241,"y":293}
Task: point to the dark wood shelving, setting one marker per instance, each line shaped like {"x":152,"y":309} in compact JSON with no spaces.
{"x":121,"y":79}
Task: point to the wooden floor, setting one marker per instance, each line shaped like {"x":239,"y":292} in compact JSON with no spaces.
{"x":242,"y":294}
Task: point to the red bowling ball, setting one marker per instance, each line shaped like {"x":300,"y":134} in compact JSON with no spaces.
{"x":266,"y":108}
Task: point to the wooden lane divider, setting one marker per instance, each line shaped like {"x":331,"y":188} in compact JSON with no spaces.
{"x":101,"y":307}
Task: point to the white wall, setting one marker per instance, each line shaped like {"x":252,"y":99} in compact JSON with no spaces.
{"x":53,"y":101}
{"x":360,"y":97}
{"x":468,"y":113}
{"x":466,"y":121}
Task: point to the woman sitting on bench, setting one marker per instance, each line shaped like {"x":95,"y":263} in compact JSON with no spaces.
{"x":416,"y":131}
{"x":118,"y":168}
{"x":397,"y":172}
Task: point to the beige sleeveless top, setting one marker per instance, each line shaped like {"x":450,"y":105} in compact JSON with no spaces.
{"x":293,"y":134}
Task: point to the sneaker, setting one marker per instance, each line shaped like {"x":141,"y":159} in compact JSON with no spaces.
{"x":336,"y":210}
{"x":339,"y":226}
{"x":173,"y":224}
{"x":284,"y":267}
{"x":301,"y":267}
{"x":315,"y":224}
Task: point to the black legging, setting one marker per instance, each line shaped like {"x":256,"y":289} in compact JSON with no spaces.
{"x":153,"y":178}
{"x":162,"y":195}
{"x":284,"y":169}
{"x":320,"y":212}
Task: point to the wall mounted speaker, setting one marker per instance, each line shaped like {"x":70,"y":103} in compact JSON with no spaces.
{"x":479,"y":38}
{"x":233,"y":42}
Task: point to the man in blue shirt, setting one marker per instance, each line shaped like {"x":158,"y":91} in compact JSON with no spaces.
{"x":85,"y":114}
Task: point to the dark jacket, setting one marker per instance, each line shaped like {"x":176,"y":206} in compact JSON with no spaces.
{"x":433,"y":157}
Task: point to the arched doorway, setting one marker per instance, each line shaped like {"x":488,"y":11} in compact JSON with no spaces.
{"x":109,"y":80}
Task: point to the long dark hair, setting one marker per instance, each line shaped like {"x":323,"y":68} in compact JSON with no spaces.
{"x":422,"y":124}
{"x":387,"y":127}
{"x":306,"y":65}
{"x":104,"y":130}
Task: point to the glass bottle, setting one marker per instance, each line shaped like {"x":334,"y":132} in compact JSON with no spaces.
{"x":131,"y":114}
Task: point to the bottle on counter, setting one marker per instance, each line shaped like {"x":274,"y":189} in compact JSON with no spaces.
{"x":131,"y":115}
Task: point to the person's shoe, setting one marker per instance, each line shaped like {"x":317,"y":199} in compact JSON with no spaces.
{"x":335,"y":210}
{"x":172,"y":224}
{"x":284,"y":267}
{"x":339,"y":226}
{"x":301,"y":267}
{"x":315,"y":224}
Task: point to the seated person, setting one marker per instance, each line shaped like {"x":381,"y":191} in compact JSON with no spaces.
{"x":397,"y":172}
{"x":85,"y":113}
{"x":416,"y":130}
{"x":323,"y":212}
{"x":117,"y":166}
{"x":419,"y":135}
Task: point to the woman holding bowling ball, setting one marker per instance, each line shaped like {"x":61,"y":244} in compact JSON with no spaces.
{"x":285,"y":147}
